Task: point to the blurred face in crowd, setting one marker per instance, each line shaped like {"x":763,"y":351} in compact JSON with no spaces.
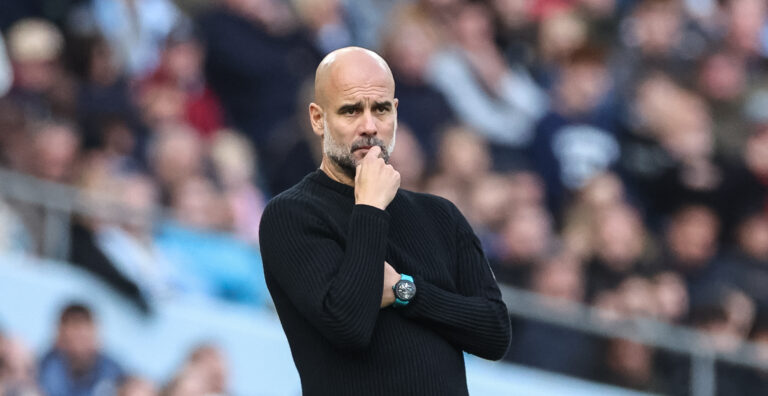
{"x":211,"y":365}
{"x":527,"y":233}
{"x":489,"y":200}
{"x":746,"y":19}
{"x":176,"y":154}
{"x":55,"y":151}
{"x":619,"y":237}
{"x":197,"y":203}
{"x":657,"y":26}
{"x":473,"y":26}
{"x":756,"y":152}
{"x":354,"y":109}
{"x":636,"y":295}
{"x":513,"y":13}
{"x":18,"y":364}
{"x":34,"y":46}
{"x":561,"y":278}
{"x":753,"y":236}
{"x":692,"y":236}
{"x":410,"y":45}
{"x":723,"y":77}
{"x":671,"y":296}
{"x":632,"y":362}
{"x":582,"y":85}
{"x":463,"y":155}
{"x":139,"y":194}
{"x":408,"y":158}
{"x":560,"y":32}
{"x":137,"y":387}
{"x":78,"y":340}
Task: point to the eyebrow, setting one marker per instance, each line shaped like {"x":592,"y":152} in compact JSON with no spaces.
{"x":347,"y":107}
{"x":383,"y":105}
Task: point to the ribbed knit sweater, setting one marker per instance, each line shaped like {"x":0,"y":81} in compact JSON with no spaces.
{"x":324,"y":266}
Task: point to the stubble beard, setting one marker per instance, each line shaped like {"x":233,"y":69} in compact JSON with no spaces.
{"x":341,"y":155}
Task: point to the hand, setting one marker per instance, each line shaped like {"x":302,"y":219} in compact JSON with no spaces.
{"x":390,"y":278}
{"x":376,"y":183}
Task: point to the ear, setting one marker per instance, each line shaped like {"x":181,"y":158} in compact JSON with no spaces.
{"x":395,"y":101}
{"x":316,"y":118}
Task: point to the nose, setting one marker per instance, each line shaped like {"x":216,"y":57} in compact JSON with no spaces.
{"x":369,"y":124}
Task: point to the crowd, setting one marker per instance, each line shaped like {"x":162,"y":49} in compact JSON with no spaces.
{"x":609,"y":152}
{"x":76,"y":364}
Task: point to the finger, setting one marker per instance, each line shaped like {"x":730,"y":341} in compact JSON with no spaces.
{"x":373,"y":153}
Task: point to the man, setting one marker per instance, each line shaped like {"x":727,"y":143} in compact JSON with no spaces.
{"x":336,"y":244}
{"x":76,"y":366}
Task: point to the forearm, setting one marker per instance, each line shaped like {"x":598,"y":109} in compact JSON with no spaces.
{"x":337,"y":289}
{"x":476,"y":324}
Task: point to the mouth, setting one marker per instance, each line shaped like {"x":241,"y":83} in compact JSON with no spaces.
{"x":366,"y":148}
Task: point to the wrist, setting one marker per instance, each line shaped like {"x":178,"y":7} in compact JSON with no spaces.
{"x":404,"y":291}
{"x":370,"y":203}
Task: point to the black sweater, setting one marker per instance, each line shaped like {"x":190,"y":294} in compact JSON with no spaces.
{"x":324,"y":265}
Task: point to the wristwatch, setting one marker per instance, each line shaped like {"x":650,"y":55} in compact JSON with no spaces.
{"x":404,"y":290}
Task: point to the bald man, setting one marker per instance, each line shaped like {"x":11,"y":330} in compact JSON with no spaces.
{"x":379,"y":290}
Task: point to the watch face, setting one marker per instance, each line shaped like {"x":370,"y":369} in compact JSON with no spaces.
{"x":405,"y":290}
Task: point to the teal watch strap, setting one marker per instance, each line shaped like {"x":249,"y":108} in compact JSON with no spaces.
{"x":398,"y":302}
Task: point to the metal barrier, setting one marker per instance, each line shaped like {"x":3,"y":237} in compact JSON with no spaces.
{"x":59,"y":202}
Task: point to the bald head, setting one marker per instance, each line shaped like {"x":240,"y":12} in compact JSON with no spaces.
{"x":350,"y":67}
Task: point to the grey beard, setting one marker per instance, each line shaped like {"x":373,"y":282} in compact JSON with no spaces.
{"x":342,"y":156}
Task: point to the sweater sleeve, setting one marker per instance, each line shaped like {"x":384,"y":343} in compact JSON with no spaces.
{"x":335,"y":287}
{"x":474,"y":318}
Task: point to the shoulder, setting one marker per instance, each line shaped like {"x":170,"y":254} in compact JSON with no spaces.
{"x":431,"y":204}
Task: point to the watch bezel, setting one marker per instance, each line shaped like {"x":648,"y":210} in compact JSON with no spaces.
{"x":397,"y":292}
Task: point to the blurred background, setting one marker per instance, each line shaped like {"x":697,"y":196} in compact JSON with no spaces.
{"x":612,"y":155}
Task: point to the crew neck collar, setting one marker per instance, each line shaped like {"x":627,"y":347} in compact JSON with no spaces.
{"x":321,"y":177}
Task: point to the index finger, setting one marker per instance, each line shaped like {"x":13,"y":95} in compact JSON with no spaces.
{"x":373,"y":153}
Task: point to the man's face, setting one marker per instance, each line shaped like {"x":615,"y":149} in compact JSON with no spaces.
{"x":356,"y":110}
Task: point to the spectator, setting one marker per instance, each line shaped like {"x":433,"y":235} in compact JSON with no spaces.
{"x":409,"y":158}
{"x":175,"y":155}
{"x":746,"y":267}
{"x":128,"y":243}
{"x":577,"y":139}
{"x":135,"y":386}
{"x":17,"y":369}
{"x":409,"y":45}
{"x":180,"y":74}
{"x":552,"y":347}
{"x":620,"y":248}
{"x":220,"y":265}
{"x":234,"y":162}
{"x":41,"y":85}
{"x":498,"y":100}
{"x":629,"y":364}
{"x":691,"y":242}
{"x":256,"y":61}
{"x":76,"y":365}
{"x":204,"y":373}
{"x":526,"y":238}
{"x":136,"y":30}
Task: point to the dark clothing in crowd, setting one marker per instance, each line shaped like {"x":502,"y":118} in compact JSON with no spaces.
{"x":255,"y":73}
{"x":323,"y":259}
{"x":425,"y":110}
{"x":554,"y":348}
